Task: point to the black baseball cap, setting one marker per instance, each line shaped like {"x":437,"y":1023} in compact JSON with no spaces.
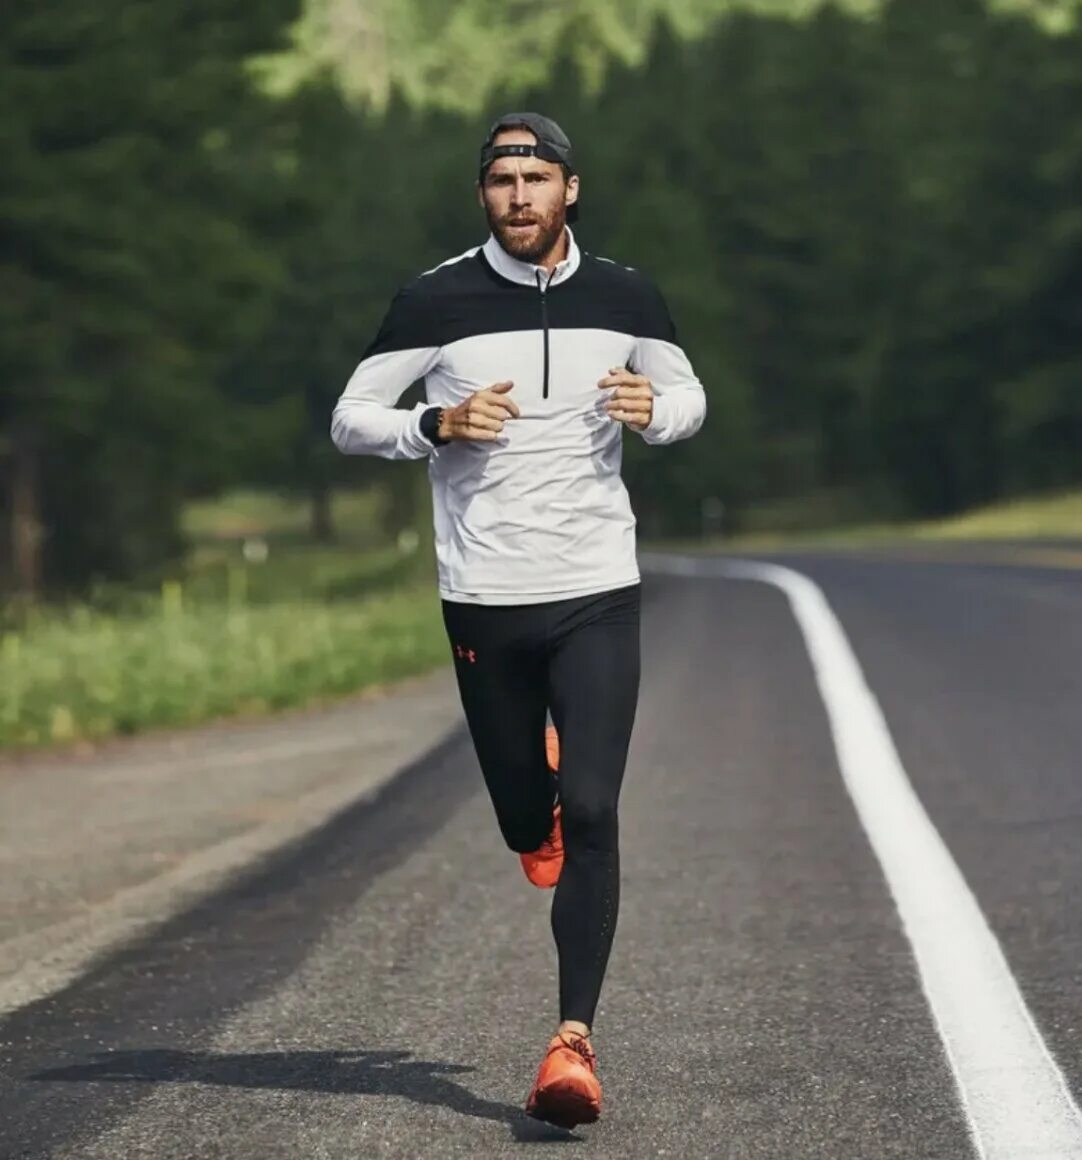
{"x":552,"y":145}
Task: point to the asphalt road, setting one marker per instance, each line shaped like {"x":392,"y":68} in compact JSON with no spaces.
{"x":383,"y":986}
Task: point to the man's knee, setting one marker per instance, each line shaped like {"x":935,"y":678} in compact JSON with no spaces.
{"x":589,"y":821}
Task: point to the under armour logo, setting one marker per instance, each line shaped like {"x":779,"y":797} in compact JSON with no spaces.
{"x":465,"y":654}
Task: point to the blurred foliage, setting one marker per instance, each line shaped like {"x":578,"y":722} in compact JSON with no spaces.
{"x":454,"y":54}
{"x":867,"y":225}
{"x":130,"y":262}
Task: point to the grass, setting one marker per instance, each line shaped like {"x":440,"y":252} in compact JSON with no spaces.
{"x":270,"y":514}
{"x":1057,"y":516}
{"x":227,"y":635}
{"x":1054,"y":516}
{"x":89,"y":675}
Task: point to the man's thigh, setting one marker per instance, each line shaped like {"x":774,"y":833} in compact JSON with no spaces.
{"x":594,"y":671}
{"x":501,"y":668}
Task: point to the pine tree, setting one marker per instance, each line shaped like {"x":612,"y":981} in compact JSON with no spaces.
{"x":128,"y":268}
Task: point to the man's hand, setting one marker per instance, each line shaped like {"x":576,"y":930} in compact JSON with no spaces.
{"x":633,"y":400}
{"x":481,"y":416}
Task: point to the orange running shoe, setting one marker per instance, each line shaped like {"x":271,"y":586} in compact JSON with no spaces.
{"x":552,"y":747}
{"x":544,"y":864}
{"x":566,"y":1091}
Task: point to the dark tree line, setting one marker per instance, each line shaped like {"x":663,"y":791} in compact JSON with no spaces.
{"x":869,"y":232}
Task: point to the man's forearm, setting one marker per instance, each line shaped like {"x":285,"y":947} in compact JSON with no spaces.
{"x":678,"y":414}
{"x":361,"y":427}
{"x":367,"y":422}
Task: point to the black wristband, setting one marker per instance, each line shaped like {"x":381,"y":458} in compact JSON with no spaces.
{"x":430,"y":426}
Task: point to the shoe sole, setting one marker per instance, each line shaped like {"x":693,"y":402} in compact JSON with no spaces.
{"x":543,"y":885}
{"x":564,"y":1106}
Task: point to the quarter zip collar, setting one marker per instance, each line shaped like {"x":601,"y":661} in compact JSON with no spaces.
{"x":526,"y":273}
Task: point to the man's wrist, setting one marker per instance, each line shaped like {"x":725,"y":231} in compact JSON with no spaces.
{"x":431,"y":421}
{"x":656,"y":418}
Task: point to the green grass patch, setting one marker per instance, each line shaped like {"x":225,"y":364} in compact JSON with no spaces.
{"x":1056,"y":516}
{"x":257,"y":619}
{"x":86,"y":675}
{"x":304,"y":571}
{"x":269,"y":514}
{"x":788,"y":524}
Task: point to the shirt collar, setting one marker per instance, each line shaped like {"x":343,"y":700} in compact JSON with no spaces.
{"x":525,"y":273}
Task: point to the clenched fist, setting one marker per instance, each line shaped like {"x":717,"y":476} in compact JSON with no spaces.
{"x":481,"y":416}
{"x":633,"y":400}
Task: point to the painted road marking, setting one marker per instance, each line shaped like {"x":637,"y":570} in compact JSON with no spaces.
{"x":1011,"y":1089}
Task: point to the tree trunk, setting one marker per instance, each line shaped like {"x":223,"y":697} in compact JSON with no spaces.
{"x":26,"y":527}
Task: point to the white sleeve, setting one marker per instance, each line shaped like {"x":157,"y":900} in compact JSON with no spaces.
{"x":366,"y":420}
{"x":679,"y":398}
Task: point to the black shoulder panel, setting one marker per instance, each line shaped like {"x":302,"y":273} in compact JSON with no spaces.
{"x":609,"y":296}
{"x":467,"y":298}
{"x":459,"y":300}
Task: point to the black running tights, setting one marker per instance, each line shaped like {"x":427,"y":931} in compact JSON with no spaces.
{"x":578,"y":659}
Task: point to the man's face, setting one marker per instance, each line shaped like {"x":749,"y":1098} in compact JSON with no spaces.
{"x":526,"y":200}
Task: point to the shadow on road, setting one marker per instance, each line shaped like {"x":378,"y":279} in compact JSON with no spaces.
{"x":374,"y":1073}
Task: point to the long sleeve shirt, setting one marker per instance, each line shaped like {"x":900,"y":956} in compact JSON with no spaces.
{"x":542,"y":512}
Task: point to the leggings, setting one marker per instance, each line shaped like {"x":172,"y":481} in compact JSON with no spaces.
{"x":576,"y":660}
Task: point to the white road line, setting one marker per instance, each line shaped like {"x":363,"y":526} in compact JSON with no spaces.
{"x":1014,"y":1095}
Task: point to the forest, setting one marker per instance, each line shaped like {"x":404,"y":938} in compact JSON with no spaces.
{"x":866,"y":219}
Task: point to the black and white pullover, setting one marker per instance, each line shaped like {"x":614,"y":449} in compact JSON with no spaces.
{"x":542,"y":513}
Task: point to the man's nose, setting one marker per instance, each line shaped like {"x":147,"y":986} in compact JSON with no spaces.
{"x":521,"y":195}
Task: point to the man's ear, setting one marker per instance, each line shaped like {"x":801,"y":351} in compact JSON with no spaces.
{"x":480,"y":195}
{"x":571,"y":194}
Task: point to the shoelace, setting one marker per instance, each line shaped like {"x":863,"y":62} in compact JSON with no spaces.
{"x":580,"y":1046}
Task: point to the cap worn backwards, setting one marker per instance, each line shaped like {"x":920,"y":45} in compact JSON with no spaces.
{"x":552,"y":145}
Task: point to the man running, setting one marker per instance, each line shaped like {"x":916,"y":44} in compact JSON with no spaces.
{"x":535,"y":356}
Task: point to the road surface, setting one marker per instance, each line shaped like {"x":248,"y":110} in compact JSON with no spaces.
{"x":383,"y":987}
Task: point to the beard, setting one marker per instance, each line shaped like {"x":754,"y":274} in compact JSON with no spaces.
{"x":528,"y":245}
